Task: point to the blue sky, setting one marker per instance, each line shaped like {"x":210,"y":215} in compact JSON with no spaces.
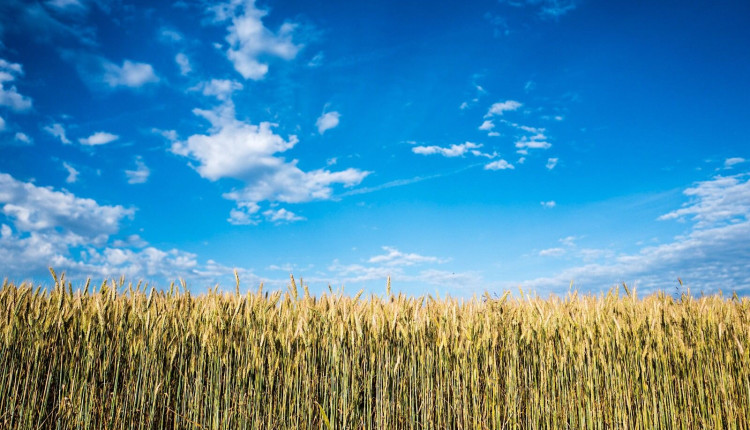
{"x":455,"y":147}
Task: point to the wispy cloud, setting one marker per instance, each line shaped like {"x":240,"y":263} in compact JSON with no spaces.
{"x":183,"y":62}
{"x":99,"y":73}
{"x":550,"y":9}
{"x":72,"y":173}
{"x":140,"y":174}
{"x":549,"y":204}
{"x":23,"y":138}
{"x":551,"y":163}
{"x":731,"y":162}
{"x":394,"y":257}
{"x":57,"y":130}
{"x":712,"y":255}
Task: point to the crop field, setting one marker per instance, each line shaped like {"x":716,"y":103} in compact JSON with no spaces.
{"x":122,"y":356}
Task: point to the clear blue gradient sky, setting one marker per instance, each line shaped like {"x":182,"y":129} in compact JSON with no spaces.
{"x":456,"y":147}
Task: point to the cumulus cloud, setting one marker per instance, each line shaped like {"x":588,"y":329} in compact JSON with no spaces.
{"x":9,"y":95}
{"x":497,"y":109}
{"x":130,"y":74}
{"x":72,"y":173}
{"x":536,"y":141}
{"x":42,"y":227}
{"x":549,"y":204}
{"x":98,"y":138}
{"x":712,"y":255}
{"x":248,"y":152}
{"x":250,"y":40}
{"x":487,"y":125}
{"x":455,"y":150}
{"x":281,"y":215}
{"x":498,"y":165}
{"x":222,"y":89}
{"x":140,"y":174}
{"x":57,"y":130}
{"x":327,"y":121}
{"x":33,"y":208}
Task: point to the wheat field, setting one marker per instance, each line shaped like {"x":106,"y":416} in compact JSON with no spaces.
{"x":124,"y":356}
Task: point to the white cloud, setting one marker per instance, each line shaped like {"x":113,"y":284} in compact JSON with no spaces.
{"x":552,"y":252}
{"x":33,"y":208}
{"x":498,"y":165}
{"x":72,"y":173}
{"x":719,"y":200}
{"x":170,"y":135}
{"x":222,"y":89}
{"x":550,"y":9}
{"x":98,"y":138}
{"x":9,"y":95}
{"x":281,"y":215}
{"x":537,"y":141}
{"x":551,"y":163}
{"x":72,"y":234}
{"x":58,"y":131}
{"x":65,"y":4}
{"x":130,"y":74}
{"x":497,"y":109}
{"x":2,"y":124}
{"x":394,"y":257}
{"x":23,"y":138}
{"x":327,"y":121}
{"x":487,"y":125}
{"x":317,"y":60}
{"x":729,"y":162}
{"x":140,"y":174}
{"x":235,"y":149}
{"x":464,"y":106}
{"x":712,"y":255}
{"x":183,"y":62}
{"x":402,"y":267}
{"x":170,"y":35}
{"x":250,"y":39}
{"x":244,"y":214}
{"x":452,"y":151}
{"x":549,"y":204}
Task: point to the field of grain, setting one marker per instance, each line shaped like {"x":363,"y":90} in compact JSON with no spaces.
{"x":119,"y":356}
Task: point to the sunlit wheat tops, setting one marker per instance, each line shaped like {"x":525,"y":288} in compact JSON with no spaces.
{"x":119,"y":356}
